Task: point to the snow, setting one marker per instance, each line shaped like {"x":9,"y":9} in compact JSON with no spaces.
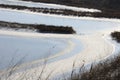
{"x":31,"y":48}
{"x":35,"y":47}
{"x":80,"y":25}
{"x":90,"y":44}
{"x":45,"y":5}
{"x":89,"y":54}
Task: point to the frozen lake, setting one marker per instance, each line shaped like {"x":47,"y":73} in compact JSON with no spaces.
{"x":30,"y":48}
{"x":13,"y":49}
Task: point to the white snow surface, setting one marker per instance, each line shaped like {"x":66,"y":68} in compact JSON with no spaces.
{"x":91,"y":33}
{"x":28,"y":48}
{"x":89,"y":54}
{"x":81,"y":25}
{"x":34,"y":46}
{"x":45,"y":5}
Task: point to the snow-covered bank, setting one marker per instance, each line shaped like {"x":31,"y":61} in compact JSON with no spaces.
{"x":80,"y":24}
{"x":45,"y":5}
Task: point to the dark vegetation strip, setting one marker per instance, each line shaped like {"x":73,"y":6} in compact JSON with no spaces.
{"x":63,"y":11}
{"x":104,"y":5}
{"x":108,"y":7}
{"x":41,"y":28}
{"x":47,"y":10}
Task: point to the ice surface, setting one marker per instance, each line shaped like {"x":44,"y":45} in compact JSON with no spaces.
{"x":14,"y":49}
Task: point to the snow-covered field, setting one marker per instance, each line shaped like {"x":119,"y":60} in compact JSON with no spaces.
{"x":90,"y":44}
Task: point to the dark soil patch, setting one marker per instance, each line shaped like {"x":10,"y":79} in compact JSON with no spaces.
{"x":116,"y":36}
